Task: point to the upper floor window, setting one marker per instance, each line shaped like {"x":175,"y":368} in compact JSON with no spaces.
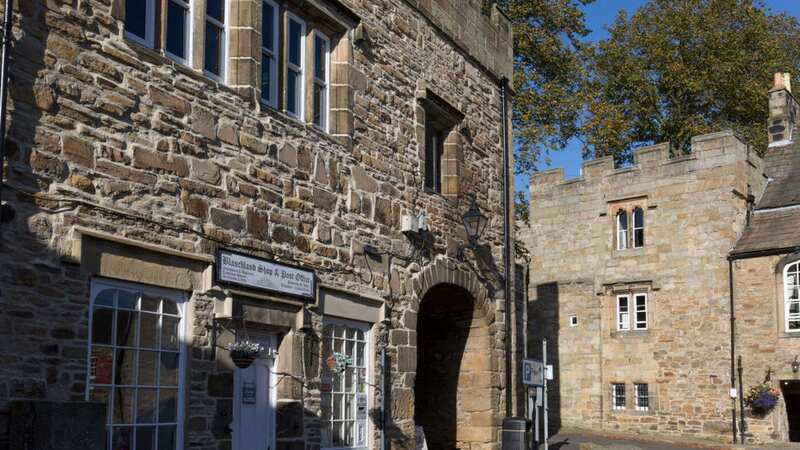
{"x":178,"y":30}
{"x":630,"y":228}
{"x":639,"y":312}
{"x":269,"y":53}
{"x":140,"y":21}
{"x":791,"y":281}
{"x":434,"y":149}
{"x":638,"y":227}
{"x":295,"y":66}
{"x":321,"y":66}
{"x":215,"y":40}
{"x":622,"y":229}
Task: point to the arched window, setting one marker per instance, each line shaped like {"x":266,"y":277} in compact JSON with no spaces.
{"x":638,"y":227}
{"x":622,"y":230}
{"x":791,"y":283}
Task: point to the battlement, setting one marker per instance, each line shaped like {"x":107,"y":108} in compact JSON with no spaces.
{"x":708,"y":151}
{"x":488,"y":39}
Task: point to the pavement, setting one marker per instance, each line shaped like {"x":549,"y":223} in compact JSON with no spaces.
{"x":586,"y":440}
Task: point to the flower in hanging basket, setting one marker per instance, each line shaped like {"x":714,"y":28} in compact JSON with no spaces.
{"x":762,"y":398}
{"x":339,"y":362}
{"x":243,"y":353}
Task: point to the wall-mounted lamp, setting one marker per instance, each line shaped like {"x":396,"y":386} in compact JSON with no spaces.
{"x":474,"y":223}
{"x":795,"y":365}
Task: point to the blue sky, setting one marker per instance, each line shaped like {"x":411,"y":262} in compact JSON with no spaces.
{"x":598,"y":15}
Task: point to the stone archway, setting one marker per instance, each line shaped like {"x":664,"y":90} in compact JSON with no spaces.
{"x":456,"y":390}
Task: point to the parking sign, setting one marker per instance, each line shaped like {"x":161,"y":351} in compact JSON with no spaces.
{"x":532,"y":372}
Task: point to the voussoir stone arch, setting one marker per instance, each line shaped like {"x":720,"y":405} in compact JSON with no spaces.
{"x":443,"y":271}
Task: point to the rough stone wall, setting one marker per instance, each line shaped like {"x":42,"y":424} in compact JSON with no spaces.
{"x":109,"y":136}
{"x":694,"y":211}
{"x":761,"y":340}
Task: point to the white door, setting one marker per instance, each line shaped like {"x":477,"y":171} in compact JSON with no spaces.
{"x":254,"y":401}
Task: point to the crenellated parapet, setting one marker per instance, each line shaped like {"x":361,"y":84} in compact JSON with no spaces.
{"x":708,"y":151}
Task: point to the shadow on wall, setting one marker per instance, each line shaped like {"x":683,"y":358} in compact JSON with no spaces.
{"x":543,"y":323}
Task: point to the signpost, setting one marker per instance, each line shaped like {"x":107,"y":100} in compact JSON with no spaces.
{"x":262,"y":274}
{"x":535,"y":374}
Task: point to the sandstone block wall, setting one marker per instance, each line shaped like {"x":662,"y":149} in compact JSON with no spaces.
{"x":694,"y":211}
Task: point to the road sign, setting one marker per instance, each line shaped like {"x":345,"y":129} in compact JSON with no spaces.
{"x":532,"y":372}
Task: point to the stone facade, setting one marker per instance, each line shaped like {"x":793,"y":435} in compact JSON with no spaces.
{"x":694,"y":210}
{"x":128,"y":166}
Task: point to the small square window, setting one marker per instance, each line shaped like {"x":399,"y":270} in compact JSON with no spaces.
{"x":573,"y":321}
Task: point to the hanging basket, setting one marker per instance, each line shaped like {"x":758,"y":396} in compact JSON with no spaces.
{"x":242,"y":360}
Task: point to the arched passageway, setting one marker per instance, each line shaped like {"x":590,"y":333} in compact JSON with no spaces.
{"x":455,"y":400}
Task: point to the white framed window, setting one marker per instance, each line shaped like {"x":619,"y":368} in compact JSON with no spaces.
{"x":641,"y":396}
{"x":641,"y":312}
{"x":295,"y":66}
{"x":573,"y":321}
{"x":136,"y":363}
{"x":179,"y":29}
{"x":622,"y":229}
{"x":791,"y":283}
{"x":623,"y":313}
{"x":215,"y":43}
{"x":345,"y":394}
{"x":140,"y":21}
{"x":638,"y":227}
{"x":618,"y":396}
{"x":270,"y":43}
{"x":322,"y":47}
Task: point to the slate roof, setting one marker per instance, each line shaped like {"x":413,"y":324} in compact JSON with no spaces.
{"x":776,"y":219}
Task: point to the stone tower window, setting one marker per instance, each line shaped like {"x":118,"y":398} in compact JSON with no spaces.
{"x":618,"y":396}
{"x":624,"y":312}
{"x":434,"y":148}
{"x":320,"y":83}
{"x":442,"y":153}
{"x":140,"y":22}
{"x":622,"y":229}
{"x":641,"y":394}
{"x":179,"y":26}
{"x":215,"y":40}
{"x":295,"y":66}
{"x":269,"y":53}
{"x":791,"y":281}
{"x":638,"y":227}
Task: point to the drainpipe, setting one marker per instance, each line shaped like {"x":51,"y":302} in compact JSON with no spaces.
{"x":4,"y":94}
{"x":733,"y":349}
{"x":507,"y":245}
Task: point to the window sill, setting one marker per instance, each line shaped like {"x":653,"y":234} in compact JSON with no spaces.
{"x":631,"y":334}
{"x":289,"y":120}
{"x":789,"y":335}
{"x":629,"y":252}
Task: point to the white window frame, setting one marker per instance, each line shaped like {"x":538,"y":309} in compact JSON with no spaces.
{"x":368,"y":361}
{"x":573,"y":320}
{"x":793,"y":268}
{"x":149,"y":27}
{"x":637,"y":395}
{"x":223,"y":64}
{"x":635,"y":228}
{"x":614,"y":397}
{"x":180,"y":299}
{"x":273,"y":54}
{"x":324,"y":83}
{"x":621,"y":324}
{"x":637,"y":324}
{"x":299,"y":115}
{"x":622,"y":232}
{"x":189,"y":31}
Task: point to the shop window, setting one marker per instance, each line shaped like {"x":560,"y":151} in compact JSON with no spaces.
{"x":791,"y":282}
{"x":215,"y":39}
{"x":135,"y":363}
{"x":642,"y":396}
{"x":178,"y":30}
{"x":140,"y":21}
{"x":295,"y":67}
{"x":344,"y":397}
{"x":269,"y":53}
{"x":618,"y":396}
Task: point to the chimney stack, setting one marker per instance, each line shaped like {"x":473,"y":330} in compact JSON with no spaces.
{"x":784,"y":117}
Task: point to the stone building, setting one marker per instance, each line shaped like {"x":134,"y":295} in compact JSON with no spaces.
{"x":186,"y":174}
{"x":630,"y":282}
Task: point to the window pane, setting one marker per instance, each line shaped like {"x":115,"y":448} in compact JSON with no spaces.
{"x":216,"y":9}
{"x":150,"y":303}
{"x":149,"y":330}
{"x":638,"y":238}
{"x":123,"y":405}
{"x":320,"y":50}
{"x":170,"y":307}
{"x":100,"y":395}
{"x":105,"y":297}
{"x":146,"y":405}
{"x":136,"y":18}
{"x":622,"y":219}
{"x":102,"y":364}
{"x":147,"y":368}
{"x":176,"y":29}
{"x":101,"y":325}
{"x":167,"y":405}
{"x":145,"y":438}
{"x":121,"y":438}
{"x":126,"y":328}
{"x":166,"y":438}
{"x":268,"y":23}
{"x":169,"y":369}
{"x":266,"y":78}
{"x":295,"y":38}
{"x":319,"y":106}
{"x":641,"y":318}
{"x":169,"y":332}
{"x":293,"y":94}
{"x":638,"y":218}
{"x":127,"y":300}
{"x":126,"y":366}
{"x":623,"y":303}
{"x":213,"y":49}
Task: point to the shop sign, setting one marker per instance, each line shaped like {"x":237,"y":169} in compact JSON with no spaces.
{"x":257,"y":273}
{"x":249,"y":392}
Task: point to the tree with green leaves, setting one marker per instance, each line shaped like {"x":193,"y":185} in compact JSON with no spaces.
{"x":548,"y":75}
{"x":679,"y":68}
